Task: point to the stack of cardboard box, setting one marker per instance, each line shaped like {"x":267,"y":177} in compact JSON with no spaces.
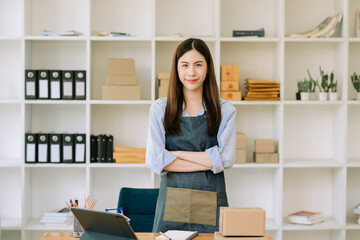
{"x":241,"y":224}
{"x":230,"y":86}
{"x":240,"y":156}
{"x":129,"y":155}
{"x":264,"y":151}
{"x":164,"y":80}
{"x":121,"y":81}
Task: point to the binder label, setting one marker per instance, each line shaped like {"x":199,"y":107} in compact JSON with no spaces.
{"x":43,"y":89}
{"x":68,"y":89}
{"x":42,"y":153}
{"x":30,"y":152}
{"x":55,"y":89}
{"x":80,"y":89}
{"x":55,"y":153}
{"x":67,"y":152}
{"x":30,"y":88}
{"x":79,"y":152}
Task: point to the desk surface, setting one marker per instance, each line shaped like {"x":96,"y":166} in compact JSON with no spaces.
{"x":141,"y":236}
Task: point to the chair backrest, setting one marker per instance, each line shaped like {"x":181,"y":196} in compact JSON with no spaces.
{"x":139,"y":205}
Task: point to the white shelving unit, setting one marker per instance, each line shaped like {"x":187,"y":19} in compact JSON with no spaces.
{"x":319,"y":165}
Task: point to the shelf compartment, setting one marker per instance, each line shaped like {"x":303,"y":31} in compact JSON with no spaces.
{"x":104,"y":50}
{"x":354,"y":51}
{"x":326,"y":143}
{"x":11,"y":200}
{"x":35,"y":225}
{"x":250,"y":15}
{"x":259,"y":122}
{"x":328,"y":224}
{"x":106,"y":184}
{"x":11,"y":134}
{"x":354,"y":5}
{"x":300,"y":56}
{"x":353,"y":195}
{"x":256,"y":188}
{"x":48,"y":188}
{"x":352,"y":234}
{"x":295,"y":12}
{"x":259,"y":60}
{"x":353,"y":133}
{"x":10,"y":70}
{"x":128,"y":16}
{"x":308,"y":189}
{"x":180,"y":16}
{"x":57,"y":54}
{"x":10,"y":234}
{"x":56,"y":16}
{"x":127,"y":123}
{"x":11,"y":18}
{"x":56,"y":118}
{"x":310,"y":234}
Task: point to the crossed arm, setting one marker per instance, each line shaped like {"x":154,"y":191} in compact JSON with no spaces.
{"x":187,"y":161}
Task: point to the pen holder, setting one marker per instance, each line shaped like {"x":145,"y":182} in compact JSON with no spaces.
{"x":78,"y":229}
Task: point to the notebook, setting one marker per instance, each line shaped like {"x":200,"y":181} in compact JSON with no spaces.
{"x":178,"y":235}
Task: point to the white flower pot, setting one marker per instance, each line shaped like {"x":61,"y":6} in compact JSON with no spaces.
{"x":304,"y":96}
{"x":323,"y":96}
{"x":312,"y":96}
{"x":333,"y":96}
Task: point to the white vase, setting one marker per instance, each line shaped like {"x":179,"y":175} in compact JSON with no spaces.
{"x":333,"y":96}
{"x":304,"y":96}
{"x":323,"y":96}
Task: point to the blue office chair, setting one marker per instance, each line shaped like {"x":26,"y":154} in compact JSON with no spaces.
{"x":139,"y":205}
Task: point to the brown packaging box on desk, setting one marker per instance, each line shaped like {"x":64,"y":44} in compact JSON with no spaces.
{"x":218,"y":236}
{"x":236,"y":221}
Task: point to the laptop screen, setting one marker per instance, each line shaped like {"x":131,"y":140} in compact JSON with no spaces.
{"x":103,"y":223}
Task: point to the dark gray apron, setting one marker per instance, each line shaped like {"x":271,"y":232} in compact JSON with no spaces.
{"x":190,"y":200}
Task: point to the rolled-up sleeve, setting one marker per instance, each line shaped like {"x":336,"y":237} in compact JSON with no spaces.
{"x":222,"y":156}
{"x":157,"y":157}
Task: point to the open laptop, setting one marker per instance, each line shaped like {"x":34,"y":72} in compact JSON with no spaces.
{"x":103,"y":225}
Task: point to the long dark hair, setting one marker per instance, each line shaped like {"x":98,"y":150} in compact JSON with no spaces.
{"x":175,"y":96}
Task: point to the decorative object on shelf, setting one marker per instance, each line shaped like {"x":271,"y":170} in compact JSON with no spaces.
{"x":265,"y":151}
{"x":262,"y":90}
{"x":327,"y":85}
{"x":330,"y":27}
{"x":357,"y":213}
{"x":355,"y":79}
{"x":164,"y":81}
{"x":59,"y":216}
{"x":249,"y":33}
{"x":121,"y":81}
{"x":230,"y":85}
{"x":306,"y":217}
{"x":304,"y":89}
{"x":101,"y":148}
{"x":240,"y":151}
{"x":64,"y":33}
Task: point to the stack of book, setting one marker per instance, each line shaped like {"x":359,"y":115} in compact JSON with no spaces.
{"x":61,"y":216}
{"x":262,"y":90}
{"x":330,"y":27}
{"x":306,"y":217}
{"x":357,"y":213}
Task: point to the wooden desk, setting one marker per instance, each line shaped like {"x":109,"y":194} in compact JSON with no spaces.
{"x":141,"y":236}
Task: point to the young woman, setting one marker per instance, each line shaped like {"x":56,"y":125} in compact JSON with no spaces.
{"x":191,"y":140}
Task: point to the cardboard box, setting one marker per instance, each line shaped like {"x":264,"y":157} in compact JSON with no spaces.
{"x":121,"y":92}
{"x":218,"y":236}
{"x":230,"y":86}
{"x":229,"y":72}
{"x":231,"y":95}
{"x":240,"y":156}
{"x":264,"y":145}
{"x":163,"y":75}
{"x":240,"y":141}
{"x":121,"y":80}
{"x":236,"y":221}
{"x":163,"y":87}
{"x":121,"y":67}
{"x":266,"y":157}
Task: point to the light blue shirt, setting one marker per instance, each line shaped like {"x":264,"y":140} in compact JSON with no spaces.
{"x":222,"y":155}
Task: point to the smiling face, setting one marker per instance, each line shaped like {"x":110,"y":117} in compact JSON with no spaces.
{"x":192,"y":70}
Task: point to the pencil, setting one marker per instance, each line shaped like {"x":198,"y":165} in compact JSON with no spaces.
{"x":167,"y":237}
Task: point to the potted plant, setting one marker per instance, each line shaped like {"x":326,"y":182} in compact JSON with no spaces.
{"x":313,"y":84}
{"x":333,"y":95}
{"x":355,"y":79}
{"x":304,"y":89}
{"x":324,"y":86}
